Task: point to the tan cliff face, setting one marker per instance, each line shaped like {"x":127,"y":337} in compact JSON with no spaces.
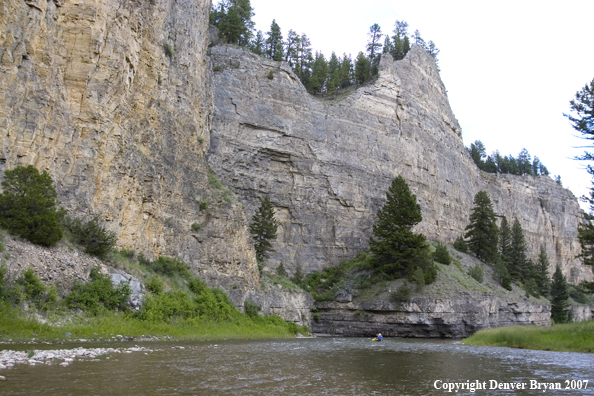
{"x":114,"y":99}
{"x":327,"y":167}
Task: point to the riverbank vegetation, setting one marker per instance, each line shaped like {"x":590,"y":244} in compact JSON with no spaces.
{"x":175,"y":303}
{"x":569,"y":337}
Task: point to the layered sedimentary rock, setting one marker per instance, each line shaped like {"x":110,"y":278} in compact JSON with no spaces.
{"x":429,"y":317}
{"x":114,"y":99}
{"x":326,"y":167}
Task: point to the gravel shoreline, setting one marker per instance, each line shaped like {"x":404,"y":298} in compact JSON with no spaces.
{"x":61,"y":357}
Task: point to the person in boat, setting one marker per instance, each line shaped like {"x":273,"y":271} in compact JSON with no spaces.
{"x":379,"y":337}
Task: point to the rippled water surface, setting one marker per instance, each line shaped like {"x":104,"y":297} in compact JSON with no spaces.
{"x":320,"y":366}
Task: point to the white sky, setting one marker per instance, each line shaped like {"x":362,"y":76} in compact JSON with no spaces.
{"x":510,"y":67}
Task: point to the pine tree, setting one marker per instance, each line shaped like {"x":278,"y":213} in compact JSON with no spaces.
{"x":281,"y":271}
{"x":559,"y":297}
{"x":387,"y":45}
{"x":362,"y":69}
{"x":304,"y":60}
{"x":291,"y":48}
{"x":397,"y":249}
{"x":319,"y":74}
{"x":374,"y":47}
{"x":274,"y":42}
{"x":481,"y":233}
{"x":263,"y":229}
{"x":505,"y":241}
{"x":518,"y":265}
{"x":542,"y":279}
{"x":28,"y":206}
{"x":333,"y":80}
{"x":258,"y":44}
{"x":233,"y":18}
{"x":346,"y":71}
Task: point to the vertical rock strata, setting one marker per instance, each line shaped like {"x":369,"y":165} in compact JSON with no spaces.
{"x":114,"y":99}
{"x":327,"y":167}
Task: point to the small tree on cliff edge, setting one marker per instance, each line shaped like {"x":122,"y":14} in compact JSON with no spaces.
{"x":263,"y":229}
{"x":482,"y":231}
{"x":398,"y":250}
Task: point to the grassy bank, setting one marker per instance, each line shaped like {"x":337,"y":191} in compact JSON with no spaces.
{"x":18,"y":327}
{"x":570,"y":337}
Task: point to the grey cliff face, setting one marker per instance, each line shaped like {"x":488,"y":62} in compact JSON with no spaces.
{"x":327,"y":167}
{"x":114,"y":99}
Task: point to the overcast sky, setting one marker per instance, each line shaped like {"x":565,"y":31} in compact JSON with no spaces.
{"x":510,"y":67}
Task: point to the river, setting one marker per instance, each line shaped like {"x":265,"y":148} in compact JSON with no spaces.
{"x":318,"y":366}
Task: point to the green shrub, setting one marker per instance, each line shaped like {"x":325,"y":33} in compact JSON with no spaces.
{"x":92,"y":236}
{"x":98,"y":294}
{"x":419,"y":278}
{"x":168,"y":266}
{"x":200,"y":140}
{"x":128,"y":253}
{"x":28,"y":206}
{"x":33,"y":287}
{"x":1,"y":246}
{"x":578,"y":295}
{"x":155,"y":285}
{"x":168,"y":50}
{"x":401,"y":295}
{"x":477,"y":273}
{"x":217,"y":68}
{"x":460,"y":245}
{"x":196,"y":227}
{"x":281,"y":271}
{"x":213,"y":181}
{"x":298,"y":277}
{"x":167,"y":307}
{"x":203,"y":204}
{"x":251,"y":309}
{"x":270,"y":75}
{"x":441,"y":254}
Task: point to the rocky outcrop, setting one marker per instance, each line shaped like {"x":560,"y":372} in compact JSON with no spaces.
{"x":428,"y":317}
{"x":326,"y":167}
{"x":114,"y":99}
{"x":292,"y":306}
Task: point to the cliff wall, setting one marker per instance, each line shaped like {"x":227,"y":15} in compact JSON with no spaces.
{"x":326,"y":167}
{"x":429,"y":317}
{"x":114,"y":99}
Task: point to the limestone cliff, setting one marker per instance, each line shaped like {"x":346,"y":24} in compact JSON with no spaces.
{"x":114,"y":99}
{"x":326,"y":166}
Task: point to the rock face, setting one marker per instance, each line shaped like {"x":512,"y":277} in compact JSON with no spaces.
{"x":428,"y":317}
{"x":114,"y":99}
{"x":326,"y":167}
{"x":291,"y":306}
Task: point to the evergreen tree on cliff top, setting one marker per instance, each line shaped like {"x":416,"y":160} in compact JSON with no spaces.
{"x":233,"y":18}
{"x":559,"y":296}
{"x":397,"y":249}
{"x":263,"y":229}
{"x":481,"y":233}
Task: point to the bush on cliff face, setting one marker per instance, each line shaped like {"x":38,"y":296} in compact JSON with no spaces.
{"x":91,"y":235}
{"x":28,"y":206}
{"x":441,"y":254}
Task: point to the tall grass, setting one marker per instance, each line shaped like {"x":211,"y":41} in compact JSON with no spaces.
{"x":17,"y":327}
{"x":570,"y":337}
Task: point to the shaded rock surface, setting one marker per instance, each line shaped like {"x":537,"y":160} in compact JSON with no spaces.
{"x":327,"y":167}
{"x":114,"y":99}
{"x":428,"y":317}
{"x":292,"y":306}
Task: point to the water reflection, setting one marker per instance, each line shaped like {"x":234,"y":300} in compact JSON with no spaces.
{"x":322,"y":366}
